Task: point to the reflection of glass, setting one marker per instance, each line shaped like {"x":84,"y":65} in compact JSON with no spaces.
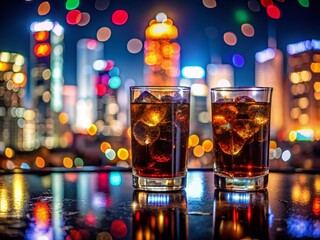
{"x":159,"y":215}
{"x":240,"y":215}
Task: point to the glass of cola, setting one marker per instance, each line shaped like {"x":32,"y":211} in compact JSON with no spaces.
{"x":160,"y":122}
{"x":241,"y":135}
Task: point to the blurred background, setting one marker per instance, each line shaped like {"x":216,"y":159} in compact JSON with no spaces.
{"x":66,"y":68}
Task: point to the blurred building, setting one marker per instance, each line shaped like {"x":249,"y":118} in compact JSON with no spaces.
{"x":269,"y":73}
{"x":107,"y":87}
{"x":220,"y":75}
{"x":303,"y":101}
{"x":161,"y":52}
{"x":12,"y":82}
{"x":47,"y":80}
{"x":88,"y":51}
{"x":69,"y":103}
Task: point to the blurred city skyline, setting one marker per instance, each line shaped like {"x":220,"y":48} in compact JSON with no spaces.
{"x":201,"y":24}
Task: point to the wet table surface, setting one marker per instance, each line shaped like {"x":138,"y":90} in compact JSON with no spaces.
{"x":103,"y":205}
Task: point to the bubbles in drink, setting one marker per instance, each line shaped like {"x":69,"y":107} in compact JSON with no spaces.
{"x":146,"y":97}
{"x":145,"y":134}
{"x":245,"y":128}
{"x":259,"y":114}
{"x":230,"y":143}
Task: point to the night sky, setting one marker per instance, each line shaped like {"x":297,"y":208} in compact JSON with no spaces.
{"x":193,"y":19}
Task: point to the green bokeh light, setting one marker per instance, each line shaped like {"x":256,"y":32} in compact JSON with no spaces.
{"x":304,"y":3}
{"x":241,"y":16}
{"x":72,"y":4}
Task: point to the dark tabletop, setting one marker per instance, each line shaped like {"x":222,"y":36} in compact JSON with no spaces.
{"x":103,"y":205}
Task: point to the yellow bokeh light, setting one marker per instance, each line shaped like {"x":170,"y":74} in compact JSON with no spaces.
{"x":9,"y":152}
{"x":198,"y":151}
{"x":292,"y":136}
{"x":19,"y":79}
{"x":104,"y":146}
{"x":207,"y":145}
{"x":40,"y":162}
{"x":193,"y":140}
{"x":123,"y":154}
{"x":273,"y":145}
{"x":63,"y":118}
{"x":92,"y":129}
{"x":67,"y":162}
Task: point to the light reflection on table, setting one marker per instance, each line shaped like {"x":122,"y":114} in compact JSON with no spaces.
{"x":103,"y":204}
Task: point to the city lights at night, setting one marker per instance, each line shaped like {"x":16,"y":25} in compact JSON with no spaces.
{"x":70,"y":65}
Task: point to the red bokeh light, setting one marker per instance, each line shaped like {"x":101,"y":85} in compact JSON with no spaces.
{"x":118,"y":229}
{"x":73,"y":17}
{"x":119,"y":17}
{"x":42,"y":49}
{"x":266,"y":3}
{"x":101,"y":89}
{"x":41,"y":36}
{"x":41,"y":214}
{"x":273,"y":12}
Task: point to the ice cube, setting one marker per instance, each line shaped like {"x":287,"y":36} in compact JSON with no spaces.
{"x":260,"y":114}
{"x":153,"y":114}
{"x":244,"y":99}
{"x":145,"y":134}
{"x":230,"y":143}
{"x":245,"y":128}
{"x":167,"y":99}
{"x":182,"y":116}
{"x":178,"y":98}
{"x":161,"y":151}
{"x":229,"y":112}
{"x":146,"y":97}
{"x":220,"y":124}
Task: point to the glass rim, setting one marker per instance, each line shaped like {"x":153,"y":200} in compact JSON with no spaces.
{"x":241,"y":88}
{"x":184,"y":88}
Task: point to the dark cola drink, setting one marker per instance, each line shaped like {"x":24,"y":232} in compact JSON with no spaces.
{"x":241,"y":133}
{"x":159,"y":142}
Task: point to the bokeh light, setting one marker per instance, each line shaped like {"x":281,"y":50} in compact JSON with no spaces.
{"x":123,"y":153}
{"x":104,"y":146}
{"x":230,"y":38}
{"x":273,"y":12}
{"x":238,"y":60}
{"x":254,"y":5}
{"x":209,"y":3}
{"x":67,"y":162}
{"x":103,"y":34}
{"x":241,"y":16}
{"x":92,"y":129}
{"x":40,"y":162}
{"x":73,"y":17}
{"x":118,"y":229}
{"x":85,"y":19}
{"x":72,"y":4}
{"x":44,"y":8}
{"x":247,"y":30}
{"x":266,"y":3}
{"x":101,"y":4}
{"x":304,"y":3}
{"x":134,"y":45}
{"x":110,"y":154}
{"x":119,"y":17}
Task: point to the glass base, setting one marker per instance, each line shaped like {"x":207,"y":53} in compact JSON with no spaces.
{"x":159,"y":184}
{"x":241,"y":184}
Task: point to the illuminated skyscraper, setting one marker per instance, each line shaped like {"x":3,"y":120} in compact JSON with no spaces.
{"x":303,"y":103}
{"x":47,"y":80}
{"x":12,"y":81}
{"x":269,"y":73}
{"x":161,"y":53}
{"x":88,"y":51}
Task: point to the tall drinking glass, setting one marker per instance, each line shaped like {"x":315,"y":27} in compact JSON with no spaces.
{"x":160,"y":120}
{"x":241,"y":135}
